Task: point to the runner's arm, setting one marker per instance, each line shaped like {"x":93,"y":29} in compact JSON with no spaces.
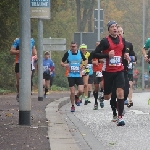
{"x":100,"y":48}
{"x":14,"y":48}
{"x":65,"y":57}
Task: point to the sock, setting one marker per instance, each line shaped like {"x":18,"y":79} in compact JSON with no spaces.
{"x":95,"y":93}
{"x":120,"y":107}
{"x":89,"y":93}
{"x":46,"y":90}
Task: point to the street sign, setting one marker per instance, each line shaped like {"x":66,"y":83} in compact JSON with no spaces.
{"x":54,"y":41}
{"x":54,"y":47}
{"x":54,"y":44}
{"x":40,"y":9}
{"x":88,"y":38}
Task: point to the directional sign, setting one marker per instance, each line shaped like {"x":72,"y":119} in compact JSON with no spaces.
{"x":54,"y":41}
{"x":40,"y":9}
{"x":54,"y":47}
{"x":54,"y":44}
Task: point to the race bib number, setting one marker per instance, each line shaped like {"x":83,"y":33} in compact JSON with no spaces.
{"x":45,"y":68}
{"x":115,"y":61}
{"x":130,"y":66}
{"x":74,"y":68}
{"x":99,"y":74}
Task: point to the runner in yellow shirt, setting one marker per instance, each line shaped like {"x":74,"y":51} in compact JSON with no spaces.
{"x":85,"y":72}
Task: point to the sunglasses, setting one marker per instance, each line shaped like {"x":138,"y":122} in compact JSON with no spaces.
{"x":73,"y":46}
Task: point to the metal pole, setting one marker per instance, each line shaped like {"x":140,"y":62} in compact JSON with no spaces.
{"x":98,"y":20}
{"x":40,"y":60}
{"x":25,"y":64}
{"x":80,"y":38}
{"x":143,"y":44}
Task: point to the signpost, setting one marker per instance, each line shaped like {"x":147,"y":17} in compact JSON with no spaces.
{"x":24,"y":64}
{"x":40,"y":9}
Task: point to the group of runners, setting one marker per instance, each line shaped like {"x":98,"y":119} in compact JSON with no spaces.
{"x":109,"y":67}
{"x":48,"y":66}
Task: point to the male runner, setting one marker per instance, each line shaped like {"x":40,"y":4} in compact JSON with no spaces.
{"x":113,"y":48}
{"x":74,"y":67}
{"x":125,"y":62}
{"x":48,"y":67}
{"x":15,"y":50}
{"x":130,"y":77}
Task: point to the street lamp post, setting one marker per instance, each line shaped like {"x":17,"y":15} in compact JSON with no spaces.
{"x":98,"y":20}
{"x":143,"y":44}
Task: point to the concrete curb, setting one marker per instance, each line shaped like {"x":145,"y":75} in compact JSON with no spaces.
{"x":58,"y":131}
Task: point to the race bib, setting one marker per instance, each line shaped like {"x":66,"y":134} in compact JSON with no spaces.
{"x":115,"y":61}
{"x":99,"y":74}
{"x":45,"y":68}
{"x":130,"y":66}
{"x":74,"y":69}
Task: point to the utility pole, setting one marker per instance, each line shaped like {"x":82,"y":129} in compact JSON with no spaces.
{"x":40,"y":60}
{"x":143,"y":44}
{"x":25,"y":64}
{"x":98,"y":20}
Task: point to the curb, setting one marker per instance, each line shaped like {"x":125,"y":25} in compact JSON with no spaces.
{"x":58,"y":132}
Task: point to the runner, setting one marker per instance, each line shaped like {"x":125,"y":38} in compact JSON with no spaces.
{"x":48,"y":67}
{"x":113,"y":48}
{"x":90,"y":80}
{"x":85,"y":73}
{"x":74,"y":58}
{"x":15,"y":50}
{"x":34,"y":60}
{"x":129,"y":47}
{"x":130,"y":77}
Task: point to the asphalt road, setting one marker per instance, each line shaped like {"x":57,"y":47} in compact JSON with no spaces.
{"x":93,"y":129}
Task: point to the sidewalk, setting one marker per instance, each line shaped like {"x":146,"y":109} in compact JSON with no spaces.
{"x":34,"y":137}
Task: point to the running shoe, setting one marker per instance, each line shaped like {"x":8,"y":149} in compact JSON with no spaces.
{"x":72,"y":109}
{"x":114,"y":119}
{"x":78,"y":102}
{"x":86,"y":102}
{"x":45,"y":96}
{"x":95,"y":107}
{"x":120,"y":122}
{"x":89,"y":101}
{"x":130,"y":104}
{"x":80,"y":98}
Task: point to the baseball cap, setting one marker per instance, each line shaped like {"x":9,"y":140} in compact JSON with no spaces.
{"x":110,"y":23}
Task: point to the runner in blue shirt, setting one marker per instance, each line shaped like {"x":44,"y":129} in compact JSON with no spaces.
{"x":15,"y":50}
{"x":48,"y":67}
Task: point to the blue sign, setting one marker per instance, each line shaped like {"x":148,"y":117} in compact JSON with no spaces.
{"x":39,"y":3}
